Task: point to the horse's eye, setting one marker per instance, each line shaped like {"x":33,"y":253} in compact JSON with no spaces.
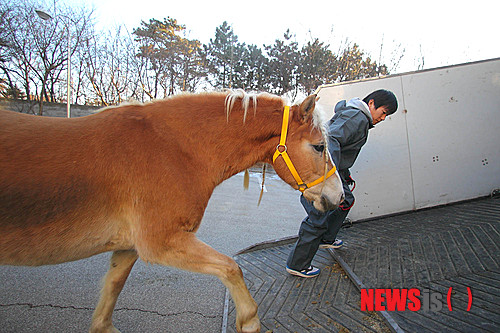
{"x":319,"y":148}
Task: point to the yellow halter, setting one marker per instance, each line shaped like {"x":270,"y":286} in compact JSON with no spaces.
{"x":284,"y":129}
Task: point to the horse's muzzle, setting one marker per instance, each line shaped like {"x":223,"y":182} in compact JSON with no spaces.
{"x":325,"y":203}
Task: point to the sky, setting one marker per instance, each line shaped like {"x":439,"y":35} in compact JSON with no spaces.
{"x":426,"y":33}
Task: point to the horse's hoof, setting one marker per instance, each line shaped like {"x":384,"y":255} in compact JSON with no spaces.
{"x":252,"y":326}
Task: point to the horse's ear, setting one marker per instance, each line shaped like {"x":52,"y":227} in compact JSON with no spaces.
{"x":307,"y":107}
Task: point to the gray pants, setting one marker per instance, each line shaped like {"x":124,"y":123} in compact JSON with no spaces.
{"x":315,"y":228}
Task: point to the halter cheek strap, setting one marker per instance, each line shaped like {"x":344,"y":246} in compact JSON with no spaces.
{"x":281,"y":150}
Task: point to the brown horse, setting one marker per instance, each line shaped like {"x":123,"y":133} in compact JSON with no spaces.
{"x":136,"y":180}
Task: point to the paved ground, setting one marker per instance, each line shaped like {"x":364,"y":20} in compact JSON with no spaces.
{"x":456,"y":246}
{"x":329,"y":303}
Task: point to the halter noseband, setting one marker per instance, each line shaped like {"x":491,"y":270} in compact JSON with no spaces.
{"x":281,"y":151}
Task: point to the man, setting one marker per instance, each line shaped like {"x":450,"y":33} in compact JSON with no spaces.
{"x":347,"y":133}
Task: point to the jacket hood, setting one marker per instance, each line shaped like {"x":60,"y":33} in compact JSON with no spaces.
{"x":357,"y":104}
{"x":360,"y":105}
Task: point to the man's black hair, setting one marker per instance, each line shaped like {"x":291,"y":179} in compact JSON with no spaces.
{"x":385,"y":98}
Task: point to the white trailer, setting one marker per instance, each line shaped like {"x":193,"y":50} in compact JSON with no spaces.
{"x":441,"y":146}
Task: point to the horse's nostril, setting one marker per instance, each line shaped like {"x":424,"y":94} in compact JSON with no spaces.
{"x":327,"y":204}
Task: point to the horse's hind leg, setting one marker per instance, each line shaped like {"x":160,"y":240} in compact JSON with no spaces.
{"x":120,"y":266}
{"x":187,"y":252}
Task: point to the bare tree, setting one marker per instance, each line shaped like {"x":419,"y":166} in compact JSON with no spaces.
{"x":396,"y":55}
{"x":420,"y":60}
{"x":7,"y":86}
{"x":111,"y":68}
{"x":40,"y":48}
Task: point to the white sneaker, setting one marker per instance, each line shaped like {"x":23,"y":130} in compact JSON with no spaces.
{"x":335,"y":245}
{"x":306,"y":273}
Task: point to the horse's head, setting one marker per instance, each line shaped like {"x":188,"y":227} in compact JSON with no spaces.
{"x":302,"y":158}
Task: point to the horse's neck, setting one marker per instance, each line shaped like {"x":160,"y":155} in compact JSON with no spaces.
{"x":225,"y":145}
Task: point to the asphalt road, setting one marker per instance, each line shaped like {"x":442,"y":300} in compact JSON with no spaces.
{"x":61,"y":298}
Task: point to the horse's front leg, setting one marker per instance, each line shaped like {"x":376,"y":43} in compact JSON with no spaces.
{"x":187,"y":252}
{"x":119,"y":268}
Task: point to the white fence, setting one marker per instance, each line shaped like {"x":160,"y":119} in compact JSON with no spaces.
{"x":441,"y":146}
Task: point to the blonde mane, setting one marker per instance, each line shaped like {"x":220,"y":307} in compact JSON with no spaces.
{"x":246,"y":98}
{"x":319,"y":119}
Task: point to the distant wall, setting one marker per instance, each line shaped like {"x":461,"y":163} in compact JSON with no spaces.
{"x":49,"y":109}
{"x":441,"y":146}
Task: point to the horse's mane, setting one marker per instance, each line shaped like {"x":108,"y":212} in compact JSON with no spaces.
{"x":246,"y":98}
{"x":234,"y":95}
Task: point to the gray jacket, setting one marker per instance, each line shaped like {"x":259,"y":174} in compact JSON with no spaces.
{"x":348,"y":132}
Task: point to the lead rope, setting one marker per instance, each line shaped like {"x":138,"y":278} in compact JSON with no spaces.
{"x":246,"y":180}
{"x":327,"y":155}
{"x":262,"y":185}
